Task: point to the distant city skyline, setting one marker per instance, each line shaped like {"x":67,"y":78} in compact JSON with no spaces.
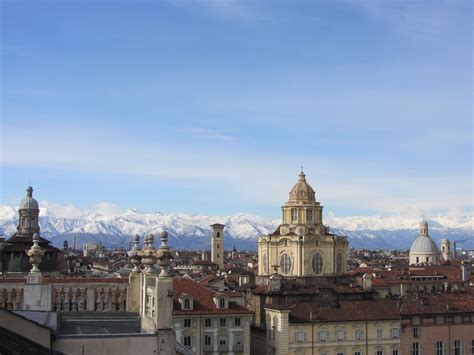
{"x":211,"y":107}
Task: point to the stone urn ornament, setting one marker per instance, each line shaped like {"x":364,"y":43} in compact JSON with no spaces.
{"x":35,"y":253}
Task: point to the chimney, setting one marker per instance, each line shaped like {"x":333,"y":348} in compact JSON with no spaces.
{"x":464,"y":272}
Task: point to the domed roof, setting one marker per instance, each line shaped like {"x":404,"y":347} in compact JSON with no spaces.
{"x":29,"y":203}
{"x":423,"y":244}
{"x":302,"y":191}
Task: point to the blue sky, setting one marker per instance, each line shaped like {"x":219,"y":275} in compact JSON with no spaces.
{"x":212,"y":106}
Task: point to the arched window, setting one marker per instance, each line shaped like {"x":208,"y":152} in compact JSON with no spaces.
{"x":309,"y":215}
{"x":317,"y":263}
{"x":218,"y":234}
{"x":285,"y":263}
{"x":339,"y":263}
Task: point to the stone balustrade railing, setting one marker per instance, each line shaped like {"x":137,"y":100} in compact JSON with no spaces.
{"x":71,"y":294}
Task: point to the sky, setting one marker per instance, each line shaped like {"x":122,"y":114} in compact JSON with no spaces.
{"x":212,"y":107}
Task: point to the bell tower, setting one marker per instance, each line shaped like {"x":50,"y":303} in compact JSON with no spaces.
{"x":217,"y":244}
{"x":29,"y":214}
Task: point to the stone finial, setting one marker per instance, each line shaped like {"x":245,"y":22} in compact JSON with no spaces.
{"x":148,"y":254}
{"x":35,"y":253}
{"x":164,"y":255}
{"x":134,"y":254}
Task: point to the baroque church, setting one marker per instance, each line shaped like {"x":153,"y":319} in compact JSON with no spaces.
{"x":302,"y":245}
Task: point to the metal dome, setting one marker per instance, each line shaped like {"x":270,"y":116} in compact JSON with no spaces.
{"x":29,"y":202}
{"x":424,"y":245}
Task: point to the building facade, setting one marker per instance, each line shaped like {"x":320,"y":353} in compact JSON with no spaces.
{"x":209,"y":322}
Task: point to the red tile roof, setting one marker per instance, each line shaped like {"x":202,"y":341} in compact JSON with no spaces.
{"x":347,"y":310}
{"x":203,"y":299}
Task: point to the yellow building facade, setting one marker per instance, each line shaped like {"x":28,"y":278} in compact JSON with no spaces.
{"x":302,"y":244}
{"x":335,"y":333}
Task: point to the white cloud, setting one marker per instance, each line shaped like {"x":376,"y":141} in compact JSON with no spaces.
{"x":69,"y":210}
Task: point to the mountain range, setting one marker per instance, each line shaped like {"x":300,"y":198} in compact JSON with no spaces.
{"x":242,"y":230}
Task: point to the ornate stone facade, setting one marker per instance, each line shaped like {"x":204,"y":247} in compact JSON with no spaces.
{"x":302,"y":244}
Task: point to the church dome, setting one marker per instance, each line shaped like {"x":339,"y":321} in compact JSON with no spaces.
{"x":302,"y":191}
{"x":29,"y":203}
{"x":423,"y":244}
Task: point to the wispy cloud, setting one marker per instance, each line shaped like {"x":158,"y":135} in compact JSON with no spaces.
{"x":211,"y":134}
{"x":249,"y":177}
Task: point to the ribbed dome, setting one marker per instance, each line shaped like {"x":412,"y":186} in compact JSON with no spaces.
{"x":424,"y":245}
{"x":29,"y":202}
{"x":302,"y":191}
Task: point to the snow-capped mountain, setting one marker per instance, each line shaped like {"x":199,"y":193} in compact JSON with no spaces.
{"x":242,"y":230}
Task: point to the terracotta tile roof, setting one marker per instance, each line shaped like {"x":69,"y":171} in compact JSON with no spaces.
{"x":203,"y":299}
{"x":438,"y":303}
{"x":347,"y":310}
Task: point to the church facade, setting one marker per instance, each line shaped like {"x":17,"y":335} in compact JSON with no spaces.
{"x":302,"y":245}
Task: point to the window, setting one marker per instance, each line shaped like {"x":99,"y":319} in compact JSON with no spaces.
{"x":440,"y":348}
{"x":300,"y":336}
{"x":339,"y":353}
{"x":458,"y":347}
{"x":356,"y":353}
{"x":395,"y":333}
{"x":416,"y":320}
{"x":187,"y":323}
{"x":237,"y":322}
{"x":207,"y":340}
{"x":273,"y":332}
{"x":395,"y":352}
{"x":439,"y":319}
{"x":340,"y":334}
{"x":222,"y":322}
{"x":338,"y":263}
{"x":285,"y":263}
{"x":415,"y":349}
{"x":207,"y":322}
{"x":223,"y":340}
{"x":294,"y":215}
{"x":221,"y":303}
{"x":379,"y":352}
{"x":187,"y":341}
{"x":472,"y":347}
{"x":416,"y":332}
{"x":218,"y":234}
{"x":309,"y":215}
{"x":237,"y":339}
{"x":323,"y":335}
{"x":457,"y":319}
{"x":379,"y":334}
{"x":187,"y":303}
{"x":317,"y":263}
{"x":358,"y":334}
